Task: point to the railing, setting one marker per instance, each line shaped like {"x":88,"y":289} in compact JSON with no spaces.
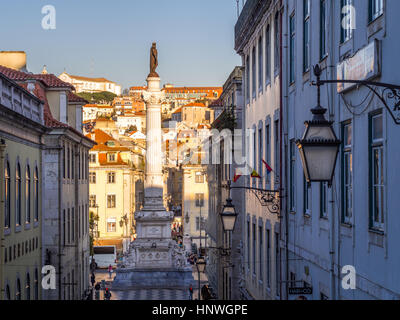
{"x":17,"y":99}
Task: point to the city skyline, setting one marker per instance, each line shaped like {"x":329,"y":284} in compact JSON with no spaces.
{"x":123,"y":58}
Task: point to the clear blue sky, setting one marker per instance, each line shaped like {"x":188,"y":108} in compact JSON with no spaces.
{"x":112,"y":38}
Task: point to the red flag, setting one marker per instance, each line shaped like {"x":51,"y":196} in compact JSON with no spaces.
{"x":269,"y":169}
{"x":236,"y":177}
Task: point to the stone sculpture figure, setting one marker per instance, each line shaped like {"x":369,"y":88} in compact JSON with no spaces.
{"x":153,"y":61}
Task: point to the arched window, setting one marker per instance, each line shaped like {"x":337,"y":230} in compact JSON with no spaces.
{"x":28,"y":287}
{"x":18,"y":195}
{"x":7,"y":196}
{"x":36,"y":285}
{"x":18,"y":290}
{"x":8,"y":293}
{"x":28,"y":195}
{"x":36,"y":194}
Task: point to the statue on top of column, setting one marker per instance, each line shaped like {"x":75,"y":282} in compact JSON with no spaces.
{"x":153,"y":61}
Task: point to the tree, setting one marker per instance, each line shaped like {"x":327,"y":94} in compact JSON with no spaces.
{"x":103,"y":97}
{"x":93,"y":224}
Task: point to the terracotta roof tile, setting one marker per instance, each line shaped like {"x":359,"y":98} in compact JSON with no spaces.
{"x":75,"y":98}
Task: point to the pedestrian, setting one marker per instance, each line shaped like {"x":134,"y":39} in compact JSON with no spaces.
{"x":97,"y":291}
{"x":190,"y":292}
{"x":93,"y":279}
{"x":107,"y":294}
{"x":110,"y":270}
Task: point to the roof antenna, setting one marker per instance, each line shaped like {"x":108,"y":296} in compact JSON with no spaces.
{"x":237,"y":6}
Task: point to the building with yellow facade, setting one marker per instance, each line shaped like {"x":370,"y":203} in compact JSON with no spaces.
{"x":116,"y":189}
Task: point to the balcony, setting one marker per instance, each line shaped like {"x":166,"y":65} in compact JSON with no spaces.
{"x":15,"y":98}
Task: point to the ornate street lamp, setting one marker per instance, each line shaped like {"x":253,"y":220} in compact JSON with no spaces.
{"x":319,"y":146}
{"x":228,"y":216}
{"x":200,"y":266}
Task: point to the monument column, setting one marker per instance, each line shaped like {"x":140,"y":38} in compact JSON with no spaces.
{"x":154,"y":259}
{"x":153,"y":194}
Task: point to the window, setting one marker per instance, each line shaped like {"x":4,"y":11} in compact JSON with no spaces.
{"x":247,"y":79}
{"x":92,"y":201}
{"x":377,"y":186}
{"x":197,"y":223}
{"x":260,"y":64}
{"x":292,"y":279}
{"x":277,"y":264}
{"x":27,"y":195}
{"x":111,"y":201}
{"x":18,"y":196}
{"x":199,"y":199}
{"x":268,"y":260}
{"x":292,"y":47}
{"x":260,"y":154}
{"x":267,"y":55}
{"x":253,"y":72}
{"x":292,"y":169}
{"x":199,"y":177}
{"x":347,"y":173}
{"x":7,"y":196}
{"x":277,"y":42}
{"x":375,"y":9}
{"x":111,"y":157}
{"x":248,"y":245}
{"x":260,"y":251}
{"x":276,"y":151}
{"x":8,"y":293}
{"x":254,"y":258}
{"x":28,"y":287}
{"x":306,"y":195}
{"x":18,"y":290}
{"x":36,"y":194}
{"x":254,"y":149}
{"x":64,"y":228}
{"x":92,"y":157}
{"x":323,"y":29}
{"x":36,"y":285}
{"x":346,"y":22}
{"x":306,"y":35}
{"x":69,"y":226}
{"x":68,"y":163}
{"x":63,"y":161}
{"x":111,"y":225}
{"x":323,"y":200}
{"x":92,"y":177}
{"x":111,"y":177}
{"x":73,"y":225}
{"x":267,"y":150}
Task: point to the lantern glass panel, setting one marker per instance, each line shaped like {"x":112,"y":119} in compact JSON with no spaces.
{"x":319,"y":132}
{"x":228,"y":221}
{"x":321,"y":161}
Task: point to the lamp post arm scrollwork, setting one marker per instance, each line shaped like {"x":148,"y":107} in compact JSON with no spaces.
{"x":389,"y":92}
{"x":267,"y":198}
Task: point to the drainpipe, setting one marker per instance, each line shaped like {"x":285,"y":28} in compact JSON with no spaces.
{"x":286,"y":163}
{"x":331,"y":101}
{"x":280,"y":138}
{"x":60,"y":184}
{"x":2,"y":213}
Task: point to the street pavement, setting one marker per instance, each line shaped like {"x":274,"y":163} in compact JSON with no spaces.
{"x":149,"y":294}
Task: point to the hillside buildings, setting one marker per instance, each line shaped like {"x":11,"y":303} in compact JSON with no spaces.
{"x":92,"y":85}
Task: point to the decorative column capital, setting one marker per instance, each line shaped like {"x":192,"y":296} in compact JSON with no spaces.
{"x":153,"y":98}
